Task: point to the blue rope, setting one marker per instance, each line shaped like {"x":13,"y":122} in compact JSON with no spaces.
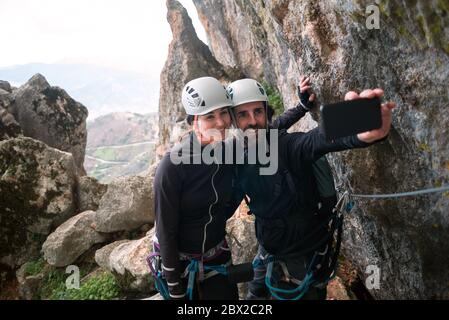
{"x":193,"y":269}
{"x":302,"y":288}
{"x":219,"y":268}
{"x":162,"y":287}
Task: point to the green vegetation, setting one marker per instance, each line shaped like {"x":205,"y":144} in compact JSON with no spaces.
{"x":274,"y":98}
{"x":443,"y":5}
{"x":101,"y":287}
{"x":53,"y":285}
{"x":95,"y":285}
{"x":424,"y":147}
{"x":106,"y":154}
{"x":33,"y":268}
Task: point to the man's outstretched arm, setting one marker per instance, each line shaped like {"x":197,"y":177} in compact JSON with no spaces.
{"x":312,"y":145}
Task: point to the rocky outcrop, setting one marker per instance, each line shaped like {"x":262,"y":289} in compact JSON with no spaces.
{"x":128,"y":204}
{"x":9,"y":128}
{"x":37,"y":186}
{"x":90,"y":192}
{"x":330,"y":42}
{"x":127,"y":261}
{"x":230,"y":37}
{"x":243,"y":243}
{"x":5,"y":86}
{"x":50,"y":115}
{"x":71,"y":239}
{"x":188,"y":58}
{"x":28,"y":285}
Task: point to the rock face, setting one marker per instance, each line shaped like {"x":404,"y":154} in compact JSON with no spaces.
{"x":9,"y":128}
{"x":90,"y":193}
{"x":29,"y":285}
{"x":127,"y":260}
{"x":330,"y":42}
{"x":127,"y":205}
{"x":71,"y":239}
{"x":230,"y":37}
{"x":4,"y":85}
{"x":50,"y":115}
{"x":188,"y":58}
{"x":243,"y":243}
{"x":37,"y":186}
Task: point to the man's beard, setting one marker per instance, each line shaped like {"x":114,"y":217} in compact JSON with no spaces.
{"x":251,"y":135}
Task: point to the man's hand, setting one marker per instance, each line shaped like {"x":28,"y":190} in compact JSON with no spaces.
{"x":304,"y":91}
{"x":377,"y":134}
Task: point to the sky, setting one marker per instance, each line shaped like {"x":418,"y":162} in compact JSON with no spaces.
{"x":128,"y":35}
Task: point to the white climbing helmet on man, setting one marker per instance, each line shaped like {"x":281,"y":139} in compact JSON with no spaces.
{"x":245,"y":91}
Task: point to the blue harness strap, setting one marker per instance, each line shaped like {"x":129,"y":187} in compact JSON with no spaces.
{"x":153,"y":261}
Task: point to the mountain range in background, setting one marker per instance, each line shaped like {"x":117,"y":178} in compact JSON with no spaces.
{"x":101,"y":90}
{"x":120,"y":144}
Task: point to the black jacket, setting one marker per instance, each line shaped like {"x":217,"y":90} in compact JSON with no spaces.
{"x":272,"y":200}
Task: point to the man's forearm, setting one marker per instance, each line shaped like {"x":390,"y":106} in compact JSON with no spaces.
{"x":289,"y":117}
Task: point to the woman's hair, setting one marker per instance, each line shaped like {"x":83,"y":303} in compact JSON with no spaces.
{"x":189,"y":119}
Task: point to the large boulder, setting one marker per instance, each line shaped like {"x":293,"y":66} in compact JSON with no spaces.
{"x":90,"y":192}
{"x":71,"y":239}
{"x":126,"y":259}
{"x":50,"y":115}
{"x":128,"y":204}
{"x":37,"y":185}
{"x":408,"y":57}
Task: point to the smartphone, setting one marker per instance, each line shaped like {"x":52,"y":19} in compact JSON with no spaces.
{"x":347,"y":118}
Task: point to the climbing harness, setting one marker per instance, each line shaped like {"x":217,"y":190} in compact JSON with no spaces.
{"x":316,"y":273}
{"x":344,"y":204}
{"x":195,"y":268}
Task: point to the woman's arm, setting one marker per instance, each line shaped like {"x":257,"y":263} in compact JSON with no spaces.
{"x":167,"y":191}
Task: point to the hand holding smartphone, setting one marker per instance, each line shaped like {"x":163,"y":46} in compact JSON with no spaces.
{"x":351,"y":117}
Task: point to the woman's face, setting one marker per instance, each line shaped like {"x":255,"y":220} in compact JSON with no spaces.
{"x":212,"y":126}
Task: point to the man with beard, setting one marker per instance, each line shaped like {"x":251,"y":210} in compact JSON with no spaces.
{"x":294,"y":231}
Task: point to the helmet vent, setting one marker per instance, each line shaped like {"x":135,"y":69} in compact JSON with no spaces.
{"x":261,"y":89}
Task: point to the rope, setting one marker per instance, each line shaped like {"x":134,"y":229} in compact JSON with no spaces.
{"x":401,"y":194}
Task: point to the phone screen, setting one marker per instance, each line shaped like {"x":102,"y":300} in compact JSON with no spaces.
{"x":347,"y":118}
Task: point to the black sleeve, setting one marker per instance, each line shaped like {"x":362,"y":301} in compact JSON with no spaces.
{"x":167,"y":191}
{"x":313,"y":145}
{"x":289,"y":117}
